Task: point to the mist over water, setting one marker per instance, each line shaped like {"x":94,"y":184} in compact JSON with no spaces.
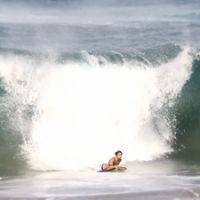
{"x":98,"y":26}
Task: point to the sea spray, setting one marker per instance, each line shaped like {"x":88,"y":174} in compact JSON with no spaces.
{"x":89,"y":112}
{"x":81,"y":112}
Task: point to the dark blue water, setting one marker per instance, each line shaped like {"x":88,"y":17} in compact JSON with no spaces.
{"x":71,"y":26}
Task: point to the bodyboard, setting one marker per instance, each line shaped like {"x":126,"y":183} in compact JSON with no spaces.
{"x":121,"y":169}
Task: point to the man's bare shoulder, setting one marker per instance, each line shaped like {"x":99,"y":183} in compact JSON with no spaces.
{"x":112,"y":159}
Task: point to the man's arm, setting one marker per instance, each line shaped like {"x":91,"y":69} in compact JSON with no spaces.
{"x":110,"y":163}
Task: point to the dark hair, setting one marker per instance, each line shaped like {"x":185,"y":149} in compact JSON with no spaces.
{"x":118,"y":152}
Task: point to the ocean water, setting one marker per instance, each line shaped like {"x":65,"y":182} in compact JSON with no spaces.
{"x":81,"y":79}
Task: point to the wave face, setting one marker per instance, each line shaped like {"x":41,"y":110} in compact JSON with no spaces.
{"x":74,"y":110}
{"x":187,"y":118}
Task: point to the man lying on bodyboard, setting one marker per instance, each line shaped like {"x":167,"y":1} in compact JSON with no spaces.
{"x":113,"y":164}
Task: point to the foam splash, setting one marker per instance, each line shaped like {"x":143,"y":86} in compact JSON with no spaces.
{"x":87,"y":113}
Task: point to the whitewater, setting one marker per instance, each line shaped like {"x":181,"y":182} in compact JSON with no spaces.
{"x":79,"y":81}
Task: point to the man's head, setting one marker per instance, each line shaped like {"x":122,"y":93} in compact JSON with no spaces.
{"x":118,"y":154}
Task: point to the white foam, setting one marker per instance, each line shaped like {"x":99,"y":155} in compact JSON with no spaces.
{"x":88,"y":112}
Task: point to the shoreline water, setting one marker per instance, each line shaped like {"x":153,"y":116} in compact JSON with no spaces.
{"x":146,"y":183}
